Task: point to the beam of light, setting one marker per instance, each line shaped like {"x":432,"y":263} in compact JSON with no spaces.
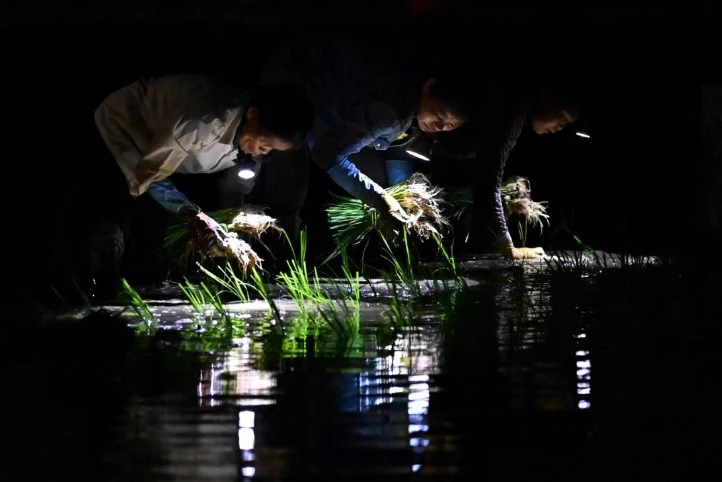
{"x":420,"y":156}
{"x":583,"y":134}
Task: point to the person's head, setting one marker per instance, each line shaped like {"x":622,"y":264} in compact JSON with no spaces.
{"x":445,"y":102}
{"x":278,"y":118}
{"x":554,"y":109}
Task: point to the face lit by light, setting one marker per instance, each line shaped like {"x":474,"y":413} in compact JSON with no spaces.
{"x":257,"y":141}
{"x":551,"y":121}
{"x":434,"y":114}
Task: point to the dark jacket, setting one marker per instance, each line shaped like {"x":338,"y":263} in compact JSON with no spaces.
{"x":363,"y":97}
{"x":484,"y":148}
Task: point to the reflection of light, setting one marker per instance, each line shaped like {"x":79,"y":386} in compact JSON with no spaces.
{"x":246,"y":419}
{"x":246,"y":439}
{"x":418,"y":409}
{"x":245,"y":380}
{"x":419,"y":442}
{"x":246,"y":436}
{"x":419,"y":391}
{"x":418,"y":155}
{"x":409,"y":352}
{"x":248,"y":471}
{"x":583,"y":134}
{"x":584,"y":374}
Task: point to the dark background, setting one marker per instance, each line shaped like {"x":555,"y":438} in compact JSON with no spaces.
{"x":632,"y":187}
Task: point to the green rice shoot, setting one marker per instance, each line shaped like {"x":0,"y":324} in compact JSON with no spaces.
{"x":351,"y":221}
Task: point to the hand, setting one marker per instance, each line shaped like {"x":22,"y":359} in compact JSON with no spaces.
{"x":524,"y":253}
{"x":207,"y":222}
{"x":189,"y":210}
{"x":395,"y":210}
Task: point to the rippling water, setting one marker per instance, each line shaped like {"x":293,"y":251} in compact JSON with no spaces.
{"x":533,"y":377}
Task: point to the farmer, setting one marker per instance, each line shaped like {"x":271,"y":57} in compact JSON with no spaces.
{"x":507,"y":109}
{"x":156,"y":128}
{"x":365,"y":101}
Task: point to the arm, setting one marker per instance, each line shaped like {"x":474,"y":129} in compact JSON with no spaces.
{"x":370,"y":123}
{"x":487,"y":191}
{"x":487,"y":186}
{"x":160,"y":160}
{"x":175,"y":202}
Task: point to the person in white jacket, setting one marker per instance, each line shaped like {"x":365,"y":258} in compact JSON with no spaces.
{"x":191,"y":124}
{"x":160,"y":127}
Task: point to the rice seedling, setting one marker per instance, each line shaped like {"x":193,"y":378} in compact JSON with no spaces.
{"x":314,"y":301}
{"x":230,"y":281}
{"x":351,"y":221}
{"x":450,"y":263}
{"x":343,"y":315}
{"x":516,"y":193}
{"x":516,"y":196}
{"x":138,"y":304}
{"x":403,"y":272}
{"x":296,"y":281}
{"x":400,"y":313}
{"x":219,"y":234}
{"x":213,"y":296}
{"x":260,"y":286}
{"x":194,"y":296}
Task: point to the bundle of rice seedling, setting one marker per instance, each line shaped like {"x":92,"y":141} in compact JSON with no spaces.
{"x":217,"y":235}
{"x":350,"y":220}
{"x":253,"y":221}
{"x":516,"y":193}
{"x":516,"y":196}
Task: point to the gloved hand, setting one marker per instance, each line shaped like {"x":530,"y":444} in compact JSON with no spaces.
{"x":524,"y":253}
{"x":189,"y":210}
{"x":207,"y":221}
{"x":394,"y":209}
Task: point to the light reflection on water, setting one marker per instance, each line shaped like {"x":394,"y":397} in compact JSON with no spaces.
{"x":378,"y":412}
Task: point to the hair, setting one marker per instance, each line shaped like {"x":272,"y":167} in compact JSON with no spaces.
{"x":567,"y":97}
{"x":457,"y":87}
{"x":284,"y":111}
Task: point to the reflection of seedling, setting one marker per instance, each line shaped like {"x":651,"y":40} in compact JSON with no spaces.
{"x":400,"y":313}
{"x":137,"y":304}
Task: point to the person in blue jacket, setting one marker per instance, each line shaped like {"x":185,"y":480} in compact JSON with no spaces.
{"x":366,"y":100}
